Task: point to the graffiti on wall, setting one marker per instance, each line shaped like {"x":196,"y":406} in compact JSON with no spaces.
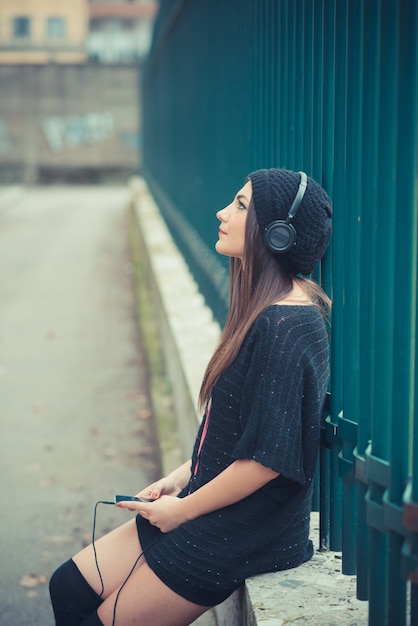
{"x":70,"y":131}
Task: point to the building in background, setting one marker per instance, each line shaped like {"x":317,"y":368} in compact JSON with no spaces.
{"x":43,"y":31}
{"x":70,"y":107}
{"x":75,"y":31}
{"x":119,"y":31}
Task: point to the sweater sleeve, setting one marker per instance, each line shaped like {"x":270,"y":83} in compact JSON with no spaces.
{"x":278,"y":378}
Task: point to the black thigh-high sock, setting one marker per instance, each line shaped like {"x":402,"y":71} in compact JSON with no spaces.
{"x":72,"y":597}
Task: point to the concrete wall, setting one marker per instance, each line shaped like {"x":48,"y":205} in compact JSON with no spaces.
{"x":69,"y":122}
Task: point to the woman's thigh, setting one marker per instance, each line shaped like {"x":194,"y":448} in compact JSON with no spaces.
{"x":116,"y":554}
{"x":146,"y":601}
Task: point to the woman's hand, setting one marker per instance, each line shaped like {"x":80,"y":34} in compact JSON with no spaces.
{"x":170,"y":485}
{"x":167,"y":513}
{"x":236,"y":482}
{"x":164,"y":487}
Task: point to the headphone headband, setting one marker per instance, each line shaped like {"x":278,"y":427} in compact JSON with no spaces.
{"x":298,"y":198}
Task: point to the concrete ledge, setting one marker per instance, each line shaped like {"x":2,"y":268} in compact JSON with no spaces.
{"x":314,"y":594}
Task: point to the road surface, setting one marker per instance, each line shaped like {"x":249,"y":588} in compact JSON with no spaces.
{"x":75,"y":416}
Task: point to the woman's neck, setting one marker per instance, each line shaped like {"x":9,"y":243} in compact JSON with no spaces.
{"x":296,"y":296}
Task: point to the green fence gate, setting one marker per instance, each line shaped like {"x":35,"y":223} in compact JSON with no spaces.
{"x":328,"y":87}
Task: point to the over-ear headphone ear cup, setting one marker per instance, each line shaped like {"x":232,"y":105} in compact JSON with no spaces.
{"x":279,"y":236}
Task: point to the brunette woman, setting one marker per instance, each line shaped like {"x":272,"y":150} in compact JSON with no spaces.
{"x":241,"y":505}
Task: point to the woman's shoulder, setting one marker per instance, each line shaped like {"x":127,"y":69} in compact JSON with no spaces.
{"x":289,"y":335}
{"x":288,"y":325}
{"x":286,"y":313}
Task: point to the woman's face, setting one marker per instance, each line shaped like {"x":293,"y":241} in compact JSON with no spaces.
{"x":232,"y":228}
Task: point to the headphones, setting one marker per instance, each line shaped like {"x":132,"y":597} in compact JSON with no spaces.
{"x":280,"y":235}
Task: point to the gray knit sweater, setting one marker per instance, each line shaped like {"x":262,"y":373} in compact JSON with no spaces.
{"x":266,"y":406}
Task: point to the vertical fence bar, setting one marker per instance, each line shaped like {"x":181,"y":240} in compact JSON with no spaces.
{"x":284,"y":81}
{"x":404,"y":305}
{"x":367,"y":285}
{"x":307,"y":85}
{"x":380,"y":446}
{"x":316,"y":172}
{"x":265,"y":85}
{"x":315,"y":132}
{"x":328,"y":86}
{"x":414,"y":468}
{"x":338,"y":259}
{"x":259,"y":82}
{"x":274,"y":94}
{"x":317,"y":104}
{"x":348,"y":422}
{"x":321,"y":158}
{"x":249,"y":74}
{"x":330,"y":505}
{"x":299,"y":86}
{"x":291,"y":88}
{"x":405,"y":398}
{"x":409,"y":23}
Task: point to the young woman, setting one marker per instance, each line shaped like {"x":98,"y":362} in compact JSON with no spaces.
{"x":241,"y":505}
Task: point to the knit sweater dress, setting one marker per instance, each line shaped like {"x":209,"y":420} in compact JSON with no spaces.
{"x":266,"y":406}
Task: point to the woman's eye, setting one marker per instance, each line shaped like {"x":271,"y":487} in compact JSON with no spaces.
{"x":241,"y":206}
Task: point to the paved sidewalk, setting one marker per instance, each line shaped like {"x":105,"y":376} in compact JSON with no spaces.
{"x":75,"y":417}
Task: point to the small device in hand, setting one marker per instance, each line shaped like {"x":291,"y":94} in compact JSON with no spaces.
{"x":120,"y":498}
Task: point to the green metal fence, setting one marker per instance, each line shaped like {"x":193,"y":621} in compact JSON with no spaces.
{"x":329,"y":87}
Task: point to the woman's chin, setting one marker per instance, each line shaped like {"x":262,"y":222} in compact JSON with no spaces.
{"x":218,"y":246}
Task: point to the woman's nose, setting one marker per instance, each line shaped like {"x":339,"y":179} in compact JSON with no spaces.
{"x":222,"y":215}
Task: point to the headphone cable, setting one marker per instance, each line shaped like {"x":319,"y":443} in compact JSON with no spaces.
{"x":93,"y":543}
{"x":97,"y":562}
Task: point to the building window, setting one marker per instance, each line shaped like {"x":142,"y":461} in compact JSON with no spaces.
{"x":21,"y":27}
{"x":55,"y":28}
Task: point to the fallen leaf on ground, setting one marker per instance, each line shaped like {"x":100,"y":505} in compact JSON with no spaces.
{"x":33,"y":580}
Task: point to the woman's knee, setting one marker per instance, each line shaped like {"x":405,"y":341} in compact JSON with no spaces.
{"x":72,"y":597}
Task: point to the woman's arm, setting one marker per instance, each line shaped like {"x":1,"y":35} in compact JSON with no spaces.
{"x":236,"y":482}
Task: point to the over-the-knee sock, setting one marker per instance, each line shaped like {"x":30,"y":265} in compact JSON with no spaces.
{"x":72,"y":597}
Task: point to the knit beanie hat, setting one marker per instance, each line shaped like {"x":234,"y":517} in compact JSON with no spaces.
{"x":273,"y":193}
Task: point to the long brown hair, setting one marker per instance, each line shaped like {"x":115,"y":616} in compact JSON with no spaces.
{"x":255,"y":283}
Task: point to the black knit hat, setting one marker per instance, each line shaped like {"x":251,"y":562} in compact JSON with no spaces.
{"x":273,"y":193}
